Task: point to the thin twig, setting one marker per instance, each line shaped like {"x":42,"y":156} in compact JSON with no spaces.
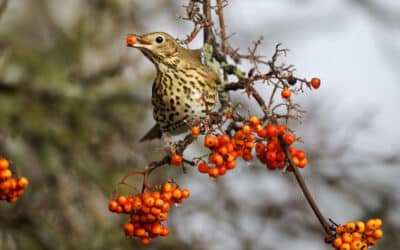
{"x":300,"y":180}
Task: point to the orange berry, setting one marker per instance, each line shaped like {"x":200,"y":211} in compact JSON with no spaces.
{"x":356,"y":245}
{"x":302,"y":163}
{"x":230,"y":164}
{"x":164,"y":231}
{"x":140,"y":232}
{"x":5,"y":174}
{"x":213,"y":172}
{"x":315,"y":82}
{"x":296,"y":161}
{"x":149,"y":201}
{"x":146,"y":209}
{"x":113,"y":206}
{"x":372,"y":224}
{"x":158,"y":203}
{"x":130,"y":40}
{"x":271,"y":130}
{"x":4,"y":164}
{"x":19,"y":192}
{"x":260,"y":147}
{"x":203,"y":167}
{"x":155,"y":210}
{"x":166,"y":207}
{"x":127,"y":207}
{"x":129,"y":229}
{"x":249,"y":145}
{"x":262,"y":133}
{"x":156,"y":229}
{"x":339,"y":229}
{"x":345,"y":246}
{"x":369,"y":232}
{"x":289,"y":139}
{"x":223,"y":139}
{"x":12,"y":183}
{"x":209,"y":141}
{"x":378,"y":223}
{"x":137,"y":204}
{"x":177,"y":194}
{"x":229,"y":147}
{"x":223,"y":150}
{"x":144,"y":241}
{"x":176,"y":160}
{"x":185,"y":193}
{"x":166,"y":196}
{"x":167,"y":187}
{"x":271,"y":156}
{"x":246,"y":129}
{"x":360,"y":226}
{"x":222,"y":170}
{"x":254,"y":121}
{"x":247,"y":156}
{"x":217,"y":159}
{"x":281,"y":129}
{"x":378,"y":234}
{"x":156,"y":195}
{"x":371,"y":241}
{"x":286,"y":93}
{"x":119,"y":209}
{"x":162,"y":216}
{"x":12,"y":199}
{"x":5,"y":186}
{"x":347,"y":238}
{"x":350,"y":227}
{"x":195,"y":130}
{"x":121,"y":200}
{"x":300,"y":154}
{"x":337,"y":242}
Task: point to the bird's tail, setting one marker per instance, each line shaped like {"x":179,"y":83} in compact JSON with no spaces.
{"x":154,"y":133}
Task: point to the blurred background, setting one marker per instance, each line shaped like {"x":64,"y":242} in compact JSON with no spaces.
{"x":74,"y":101}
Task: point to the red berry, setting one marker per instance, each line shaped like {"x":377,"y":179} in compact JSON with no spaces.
{"x":203,"y":167}
{"x":289,"y":139}
{"x":315,"y":82}
{"x":286,"y":93}
{"x":176,"y":160}
{"x":195,"y":130}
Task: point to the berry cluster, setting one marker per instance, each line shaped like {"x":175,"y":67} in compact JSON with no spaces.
{"x":222,"y":157}
{"x":265,"y":139}
{"x":148,"y":211}
{"x":357,"y":235}
{"x":10,"y":188}
{"x":270,"y":151}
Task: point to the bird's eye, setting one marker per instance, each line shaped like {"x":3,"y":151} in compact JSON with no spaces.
{"x":159,"y":39}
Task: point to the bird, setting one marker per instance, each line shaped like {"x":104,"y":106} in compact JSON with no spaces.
{"x":184,"y":89}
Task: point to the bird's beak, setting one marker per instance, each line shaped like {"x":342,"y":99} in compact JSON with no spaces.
{"x":136,"y":41}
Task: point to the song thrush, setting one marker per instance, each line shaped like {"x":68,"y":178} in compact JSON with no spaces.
{"x":183,"y":88}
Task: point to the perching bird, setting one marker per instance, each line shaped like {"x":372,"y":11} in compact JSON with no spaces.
{"x":183,"y":88}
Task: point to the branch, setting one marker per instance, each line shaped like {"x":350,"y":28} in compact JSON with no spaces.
{"x":208,"y":34}
{"x":300,"y":180}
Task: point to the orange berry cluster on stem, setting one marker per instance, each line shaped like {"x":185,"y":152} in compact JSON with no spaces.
{"x":148,"y":211}
{"x":225,"y":150}
{"x":222,"y":157}
{"x":10,"y":188}
{"x":357,"y":235}
{"x":270,"y":151}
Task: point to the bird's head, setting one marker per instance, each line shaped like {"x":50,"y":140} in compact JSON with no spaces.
{"x":156,"y":46}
